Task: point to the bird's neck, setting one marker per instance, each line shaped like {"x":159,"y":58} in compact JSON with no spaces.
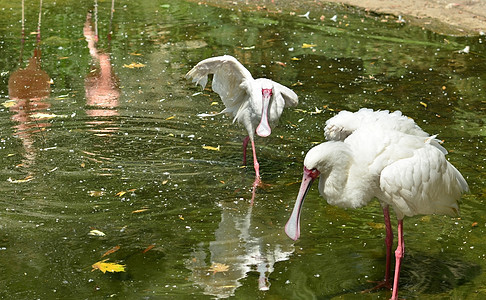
{"x":346,"y":184}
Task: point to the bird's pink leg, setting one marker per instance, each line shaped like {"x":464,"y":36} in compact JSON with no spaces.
{"x":398,"y":259}
{"x":256,"y":165}
{"x":245,"y":145}
{"x":388,"y":243}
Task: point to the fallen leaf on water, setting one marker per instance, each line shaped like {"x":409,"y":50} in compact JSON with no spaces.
{"x":96,"y":193}
{"x":217,"y":267}
{"x":139,"y":210}
{"x":134,"y":65}
{"x":26,"y":179}
{"x":376,"y":225}
{"x":42,"y":116}
{"x":212,"y":148}
{"x":424,"y":104}
{"x":170,"y":118}
{"x":148,"y":248}
{"x":281,"y":63}
{"x":96,"y":232}
{"x":107,"y":267}
{"x":295,"y":58}
{"x":135,"y":54}
{"x":112,"y":250}
{"x":474,"y":224}
{"x":121,"y":193}
{"x":181,"y":217}
{"x":306,"y":46}
{"x":9,"y":103}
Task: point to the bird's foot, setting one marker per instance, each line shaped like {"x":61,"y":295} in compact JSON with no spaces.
{"x":259,"y":183}
{"x":385,"y":284}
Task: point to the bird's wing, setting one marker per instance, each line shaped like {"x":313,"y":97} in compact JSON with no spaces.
{"x":343,"y":124}
{"x":287,"y":94}
{"x":232,"y":81}
{"x":425,"y":183}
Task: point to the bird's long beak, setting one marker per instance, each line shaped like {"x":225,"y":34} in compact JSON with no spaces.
{"x":263,"y":128}
{"x":292,"y":228}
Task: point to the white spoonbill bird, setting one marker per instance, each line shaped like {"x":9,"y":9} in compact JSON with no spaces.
{"x":384,"y":155}
{"x":255,"y":103}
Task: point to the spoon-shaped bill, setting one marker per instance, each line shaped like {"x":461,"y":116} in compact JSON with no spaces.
{"x":292,"y":228}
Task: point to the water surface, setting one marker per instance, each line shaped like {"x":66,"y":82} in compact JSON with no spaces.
{"x":109,"y":140}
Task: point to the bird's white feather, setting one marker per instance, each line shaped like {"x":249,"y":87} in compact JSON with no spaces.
{"x":240,"y":93}
{"x":385,"y":155}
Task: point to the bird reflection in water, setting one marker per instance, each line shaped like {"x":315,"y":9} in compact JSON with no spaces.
{"x":239,"y":248}
{"x":29,"y":87}
{"x":101,"y":84}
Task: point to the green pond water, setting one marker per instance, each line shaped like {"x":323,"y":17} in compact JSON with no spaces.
{"x":107,"y":139}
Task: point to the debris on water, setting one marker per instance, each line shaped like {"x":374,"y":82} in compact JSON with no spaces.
{"x":96,"y":232}
{"x":306,"y":15}
{"x":465,"y":50}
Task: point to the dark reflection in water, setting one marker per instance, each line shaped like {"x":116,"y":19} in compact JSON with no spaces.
{"x":29,"y":87}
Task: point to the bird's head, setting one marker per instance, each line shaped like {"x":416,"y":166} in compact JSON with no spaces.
{"x":319,"y":161}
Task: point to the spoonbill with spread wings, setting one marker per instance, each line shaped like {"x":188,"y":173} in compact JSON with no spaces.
{"x":255,"y":103}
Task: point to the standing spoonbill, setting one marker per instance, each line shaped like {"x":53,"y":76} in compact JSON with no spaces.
{"x":255,"y":103}
{"x":384,"y":155}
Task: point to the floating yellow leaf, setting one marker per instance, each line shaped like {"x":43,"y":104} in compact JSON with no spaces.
{"x":424,"y":104}
{"x":9,"y":103}
{"x":214,"y":103}
{"x":39,"y":116}
{"x":212,"y":148}
{"x":181,"y":217}
{"x":134,"y":65}
{"x":96,"y":232}
{"x":112,"y":250}
{"x":170,"y":118}
{"x":26,"y":179}
{"x":107,"y":267}
{"x":96,"y":193}
{"x":376,"y":225}
{"x":139,"y":210}
{"x":119,"y":194}
{"x":295,"y":58}
{"x":217,"y":267}
{"x":135,"y":54}
{"x":306,"y":46}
